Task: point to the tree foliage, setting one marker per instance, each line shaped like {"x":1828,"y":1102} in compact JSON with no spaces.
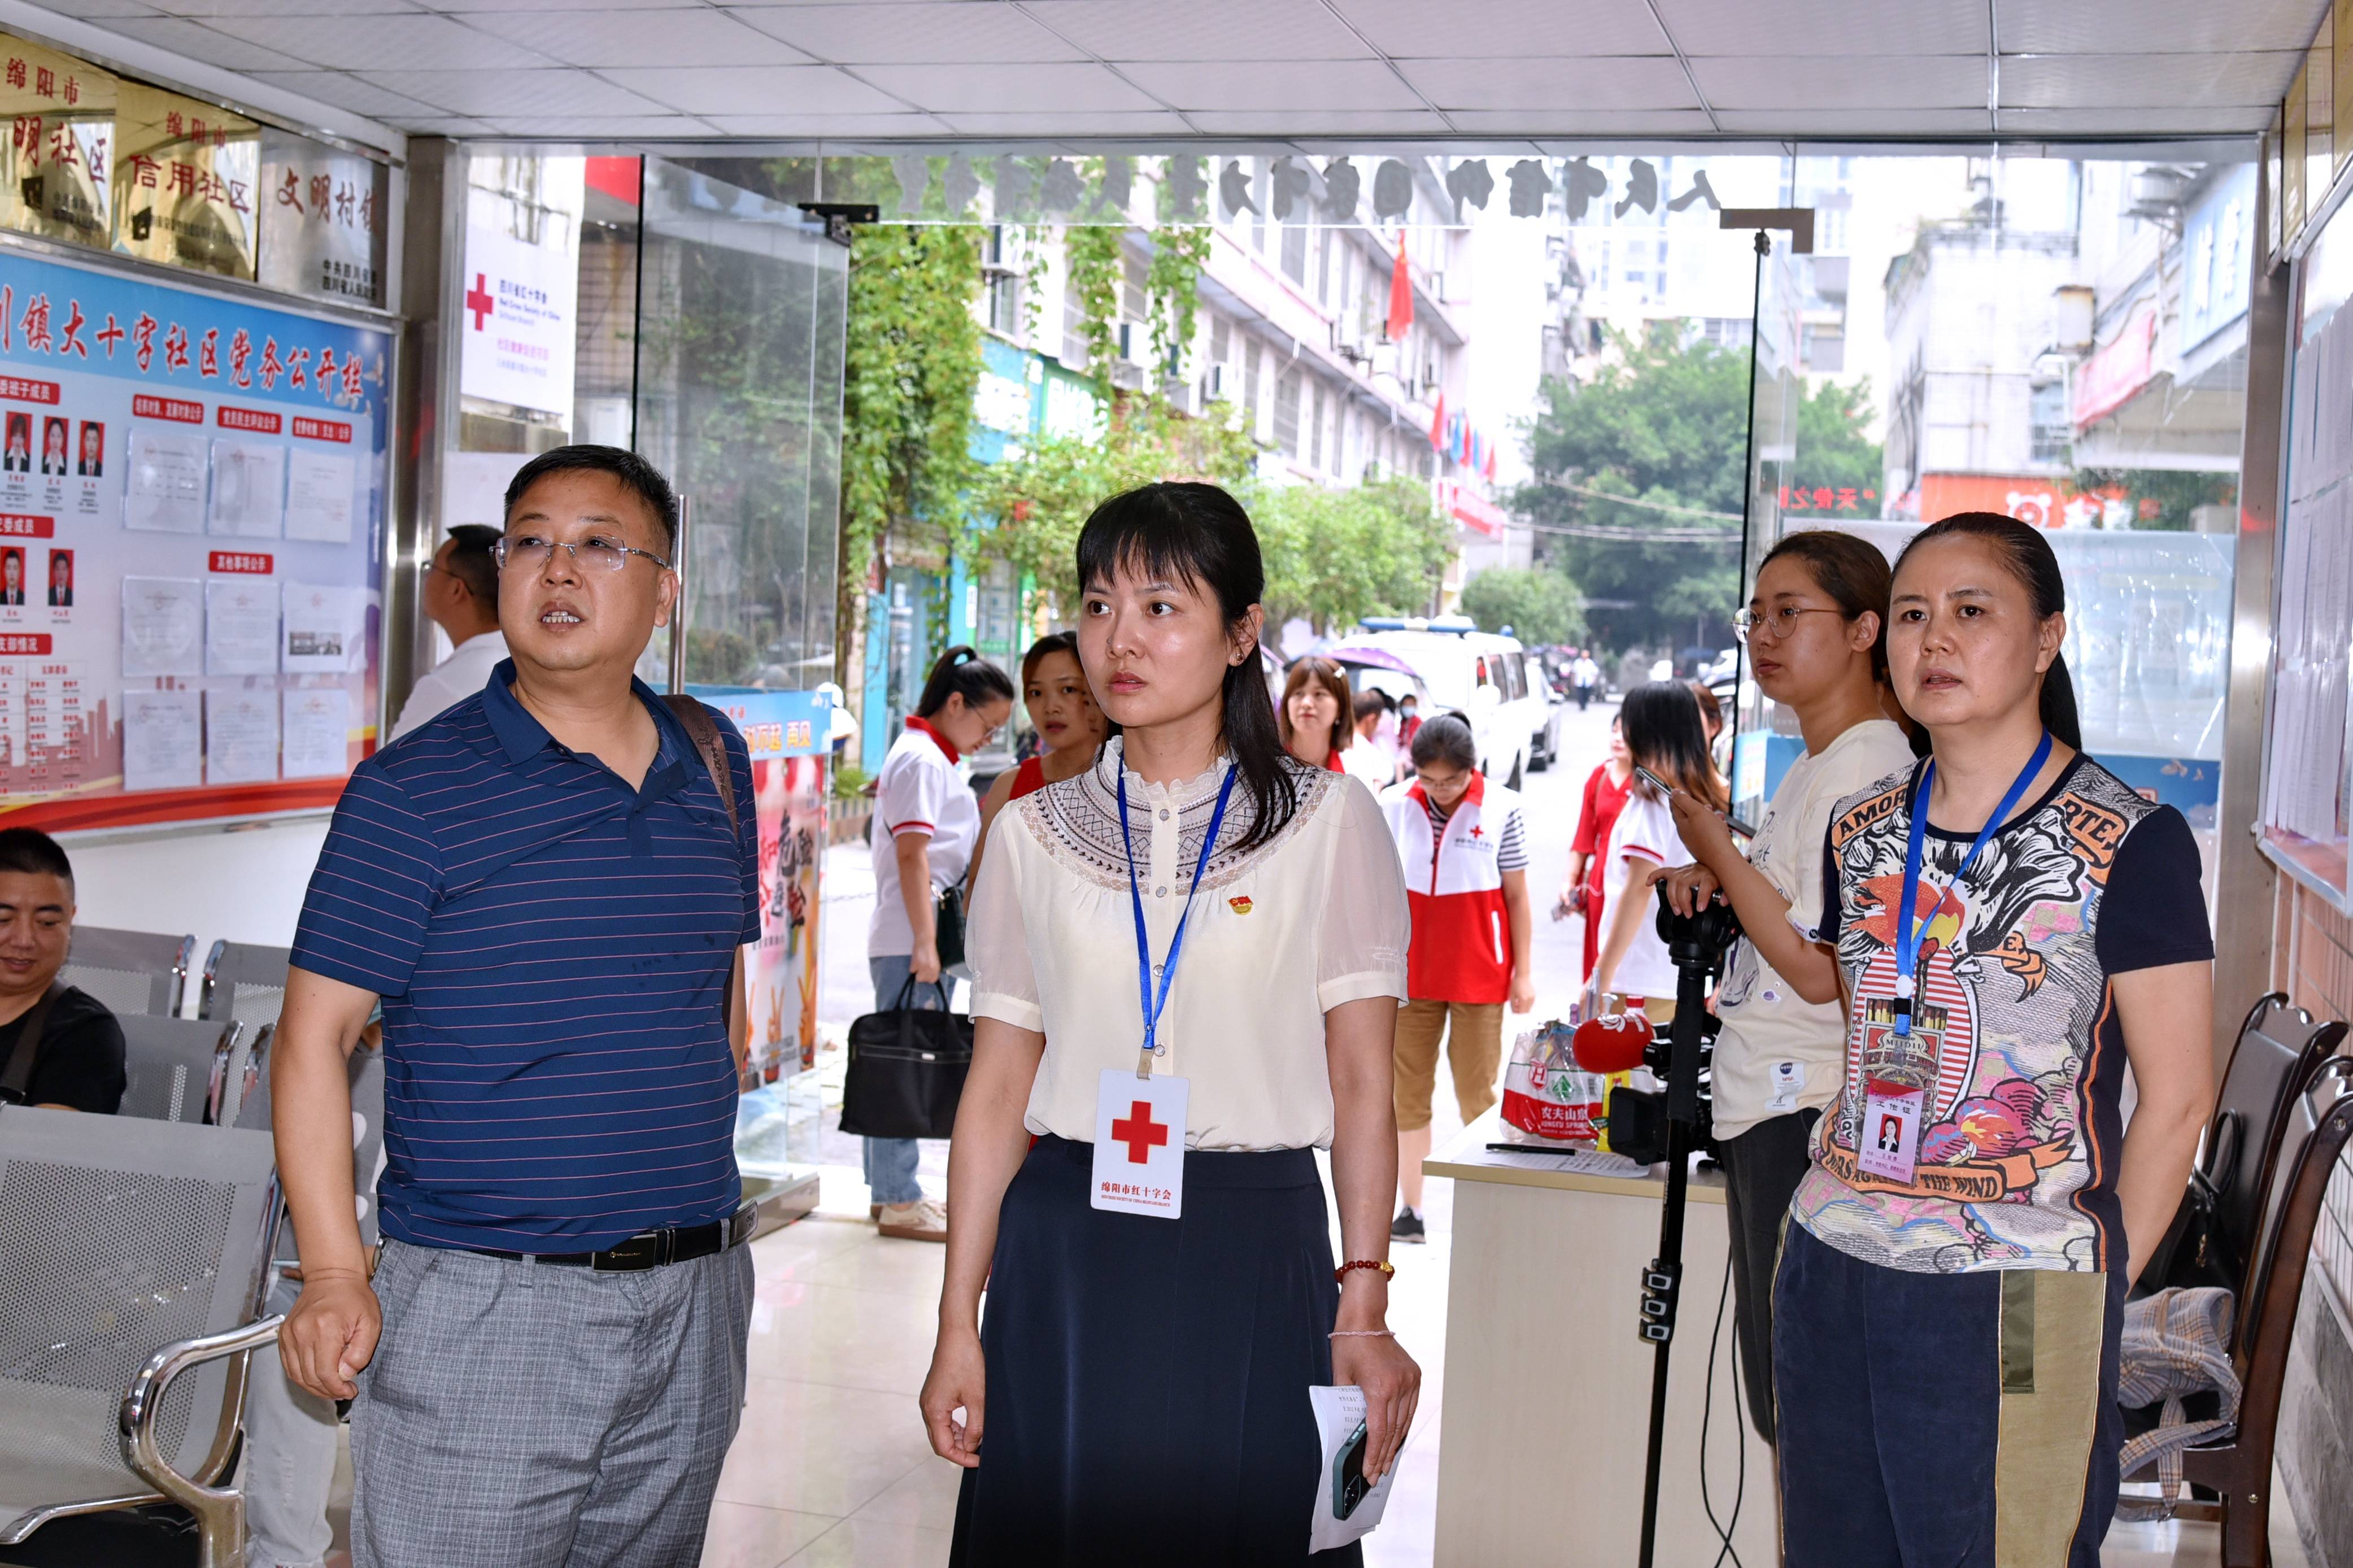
{"x":1537,"y":603}
{"x":1334,"y":555}
{"x":2163,"y":497}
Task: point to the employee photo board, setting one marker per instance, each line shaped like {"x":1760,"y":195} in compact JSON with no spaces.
{"x":192,"y":498}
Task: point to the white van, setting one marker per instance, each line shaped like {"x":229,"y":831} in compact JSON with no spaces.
{"x":1452,"y":665}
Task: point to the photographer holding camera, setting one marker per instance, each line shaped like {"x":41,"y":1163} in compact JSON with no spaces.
{"x":1816,"y":631}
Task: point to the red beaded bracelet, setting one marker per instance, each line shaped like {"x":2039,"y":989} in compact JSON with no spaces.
{"x":1341,"y":1273}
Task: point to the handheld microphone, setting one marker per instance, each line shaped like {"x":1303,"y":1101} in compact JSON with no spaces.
{"x":1614,"y":1043}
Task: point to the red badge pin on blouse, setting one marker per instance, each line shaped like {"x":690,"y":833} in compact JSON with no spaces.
{"x":1241,"y":906}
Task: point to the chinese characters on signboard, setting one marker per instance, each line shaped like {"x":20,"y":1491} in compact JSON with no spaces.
{"x":322,"y":220}
{"x":60,"y":123}
{"x":184,"y":179}
{"x":522,"y":277}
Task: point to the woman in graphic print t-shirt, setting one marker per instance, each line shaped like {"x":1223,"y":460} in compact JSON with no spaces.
{"x":1951,"y":1289}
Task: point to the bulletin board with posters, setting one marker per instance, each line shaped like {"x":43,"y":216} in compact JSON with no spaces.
{"x":192,"y":501}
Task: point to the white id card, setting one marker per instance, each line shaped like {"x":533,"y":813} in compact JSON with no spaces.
{"x":1891,"y":1130}
{"x":1140,"y":1144}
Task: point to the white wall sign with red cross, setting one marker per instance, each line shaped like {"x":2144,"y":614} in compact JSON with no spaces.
{"x":1139,"y":1166}
{"x":516,"y":320}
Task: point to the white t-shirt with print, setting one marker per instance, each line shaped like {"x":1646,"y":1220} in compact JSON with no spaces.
{"x":919,"y":791}
{"x":1645,"y":829}
{"x":1779,"y":1053}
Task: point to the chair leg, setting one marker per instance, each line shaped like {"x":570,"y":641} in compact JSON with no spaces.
{"x":220,"y":1532}
{"x":2246,"y":1527}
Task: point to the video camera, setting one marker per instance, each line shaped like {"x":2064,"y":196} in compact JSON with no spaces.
{"x":1697,"y":945}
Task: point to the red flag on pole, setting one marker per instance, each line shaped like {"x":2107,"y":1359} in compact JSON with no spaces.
{"x":1400,"y":294}
{"x":1491,"y":465}
{"x":1438,"y":424}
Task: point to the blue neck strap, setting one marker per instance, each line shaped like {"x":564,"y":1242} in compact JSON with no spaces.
{"x":1908,"y":927}
{"x":1155,"y":1006}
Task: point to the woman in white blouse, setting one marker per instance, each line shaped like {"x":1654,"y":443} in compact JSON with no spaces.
{"x":1141,"y":1380}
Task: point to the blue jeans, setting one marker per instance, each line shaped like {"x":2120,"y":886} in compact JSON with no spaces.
{"x":891,"y":1161}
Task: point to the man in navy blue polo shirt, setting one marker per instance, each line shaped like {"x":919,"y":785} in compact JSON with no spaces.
{"x":544,"y":888}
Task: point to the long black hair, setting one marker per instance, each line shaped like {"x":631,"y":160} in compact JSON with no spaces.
{"x":1664,"y":733}
{"x":1186,"y":531}
{"x":2027,"y":556}
{"x":962,"y":672}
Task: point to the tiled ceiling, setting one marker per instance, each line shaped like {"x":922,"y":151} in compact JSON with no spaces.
{"x":698,"y":69}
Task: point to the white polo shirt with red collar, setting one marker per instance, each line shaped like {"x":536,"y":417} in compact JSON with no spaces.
{"x":1462,"y":947}
{"x":921,"y":789}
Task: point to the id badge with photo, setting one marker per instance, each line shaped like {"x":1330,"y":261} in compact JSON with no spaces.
{"x":1889,"y":1146}
{"x":1139,"y":1144}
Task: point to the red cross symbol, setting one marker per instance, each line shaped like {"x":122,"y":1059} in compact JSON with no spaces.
{"x":1139,"y":1132}
{"x":1477,"y":831}
{"x":478,"y":301}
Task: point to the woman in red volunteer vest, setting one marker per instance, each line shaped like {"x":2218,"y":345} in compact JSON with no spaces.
{"x":1318,"y":717}
{"x":1069,"y":724}
{"x":1465,"y":853}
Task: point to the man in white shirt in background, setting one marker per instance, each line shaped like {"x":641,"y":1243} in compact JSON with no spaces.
{"x":461,"y":596}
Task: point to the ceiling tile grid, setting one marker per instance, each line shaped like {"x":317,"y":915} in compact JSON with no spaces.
{"x":930,"y":32}
{"x":608,"y":38}
{"x":1800,"y":82}
{"x":1632,"y":82}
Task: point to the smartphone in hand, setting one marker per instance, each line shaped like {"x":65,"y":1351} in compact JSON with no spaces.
{"x":1348,"y":1483}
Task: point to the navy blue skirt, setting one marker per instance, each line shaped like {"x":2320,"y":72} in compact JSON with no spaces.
{"x":1147,"y":1378}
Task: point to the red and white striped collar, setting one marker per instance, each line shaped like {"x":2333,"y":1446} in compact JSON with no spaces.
{"x":945,"y":745}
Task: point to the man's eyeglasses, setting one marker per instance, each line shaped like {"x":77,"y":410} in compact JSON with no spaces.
{"x":1775,"y":624}
{"x":595,"y":554}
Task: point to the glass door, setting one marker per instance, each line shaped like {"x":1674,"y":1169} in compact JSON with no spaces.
{"x":1761,"y":751}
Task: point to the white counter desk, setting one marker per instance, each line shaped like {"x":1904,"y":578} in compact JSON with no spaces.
{"x":1547,"y":1389}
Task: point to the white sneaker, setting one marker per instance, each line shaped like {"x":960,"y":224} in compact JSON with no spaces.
{"x":926,"y":1219}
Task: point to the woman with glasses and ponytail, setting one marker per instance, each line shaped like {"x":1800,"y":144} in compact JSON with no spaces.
{"x":926,"y":824}
{"x":1816,"y":633}
{"x":1186,"y":983}
{"x":2010,"y":926}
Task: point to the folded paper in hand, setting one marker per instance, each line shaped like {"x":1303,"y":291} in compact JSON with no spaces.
{"x":1339,"y":1420}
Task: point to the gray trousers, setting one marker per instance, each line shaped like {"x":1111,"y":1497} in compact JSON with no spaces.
{"x":528,"y":1415}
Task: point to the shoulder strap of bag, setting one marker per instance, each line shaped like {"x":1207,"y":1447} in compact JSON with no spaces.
{"x":17,"y":1078}
{"x":704,"y":733}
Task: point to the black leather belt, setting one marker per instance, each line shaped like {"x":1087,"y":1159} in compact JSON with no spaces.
{"x":648,"y":1249}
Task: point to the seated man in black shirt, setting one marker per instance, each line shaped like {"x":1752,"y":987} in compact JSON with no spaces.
{"x":76,"y":1063}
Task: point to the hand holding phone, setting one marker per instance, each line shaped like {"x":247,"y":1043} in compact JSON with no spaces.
{"x":1664,"y":787}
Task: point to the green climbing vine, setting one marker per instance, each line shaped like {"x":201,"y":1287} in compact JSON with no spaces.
{"x":1174,"y":282}
{"x":1092,"y":251}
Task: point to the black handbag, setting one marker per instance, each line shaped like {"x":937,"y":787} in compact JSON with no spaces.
{"x":907,"y":1067}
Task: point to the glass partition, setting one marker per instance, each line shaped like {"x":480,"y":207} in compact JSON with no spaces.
{"x":1765,"y":741}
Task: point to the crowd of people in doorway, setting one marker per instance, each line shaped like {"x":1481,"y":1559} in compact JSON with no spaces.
{"x":1201,"y":945}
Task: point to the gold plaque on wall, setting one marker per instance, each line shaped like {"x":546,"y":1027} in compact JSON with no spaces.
{"x":187,"y":177}
{"x":60,"y":135}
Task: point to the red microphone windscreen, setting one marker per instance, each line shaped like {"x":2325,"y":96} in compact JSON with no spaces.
{"x":1612,"y":1043}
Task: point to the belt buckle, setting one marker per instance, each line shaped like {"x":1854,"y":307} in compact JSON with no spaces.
{"x":639,"y":1252}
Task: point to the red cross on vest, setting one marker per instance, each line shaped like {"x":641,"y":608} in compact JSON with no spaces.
{"x":1477,"y":831}
{"x":1139,"y":1132}
{"x":478,"y":301}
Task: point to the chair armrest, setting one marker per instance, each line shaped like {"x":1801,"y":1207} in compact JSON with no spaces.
{"x":144,"y":1399}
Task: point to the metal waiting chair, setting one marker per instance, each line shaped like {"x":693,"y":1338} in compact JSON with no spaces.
{"x":132,"y":1271}
{"x":178,"y":1067}
{"x":245,"y":981}
{"x":366,"y":1069}
{"x":248,"y":1070}
{"x":2278,"y":1051}
{"x":132,"y":972}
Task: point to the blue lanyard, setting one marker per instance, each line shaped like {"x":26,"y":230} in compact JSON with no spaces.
{"x":1153,"y":1006}
{"x":1907,"y":929}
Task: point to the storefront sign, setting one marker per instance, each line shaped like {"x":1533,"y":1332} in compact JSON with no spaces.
{"x":186,"y":175}
{"x":2107,"y":382}
{"x":61,"y":129}
{"x":322,"y":220}
{"x":2039,"y":499}
{"x":522,"y":275}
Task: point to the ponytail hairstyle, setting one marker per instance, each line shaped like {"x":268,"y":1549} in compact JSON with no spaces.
{"x":1446,"y":739}
{"x":962,"y":672}
{"x":1195,"y":533}
{"x":1851,"y":572}
{"x":1664,"y":734}
{"x":2027,"y":556}
{"x":1332,"y":678}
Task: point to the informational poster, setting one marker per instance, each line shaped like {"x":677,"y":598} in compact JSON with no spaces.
{"x":191,"y":502}
{"x":521,"y":274}
{"x":61,"y":124}
{"x":785,"y":731}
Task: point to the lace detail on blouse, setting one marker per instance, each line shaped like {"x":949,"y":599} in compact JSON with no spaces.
{"x":1077,"y":820}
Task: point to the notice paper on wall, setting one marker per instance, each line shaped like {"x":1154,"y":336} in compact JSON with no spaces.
{"x":240,"y":737}
{"x":248,"y":489}
{"x":240,"y":625}
{"x":162,"y":740}
{"x":317,"y":731}
{"x":319,"y":495}
{"x":323,"y":630}
{"x":163,"y":626}
{"x":1346,"y":1508}
{"x":166,"y":493}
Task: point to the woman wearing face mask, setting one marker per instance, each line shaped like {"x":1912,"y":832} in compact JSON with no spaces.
{"x":1318,"y":716}
{"x":1663,"y":734}
{"x":1605,"y":798}
{"x":1069,"y":727}
{"x":926,"y":823}
{"x":2012,"y":925}
{"x":1195,"y":953}
{"x":1816,"y":635}
{"x":1464,"y":848}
